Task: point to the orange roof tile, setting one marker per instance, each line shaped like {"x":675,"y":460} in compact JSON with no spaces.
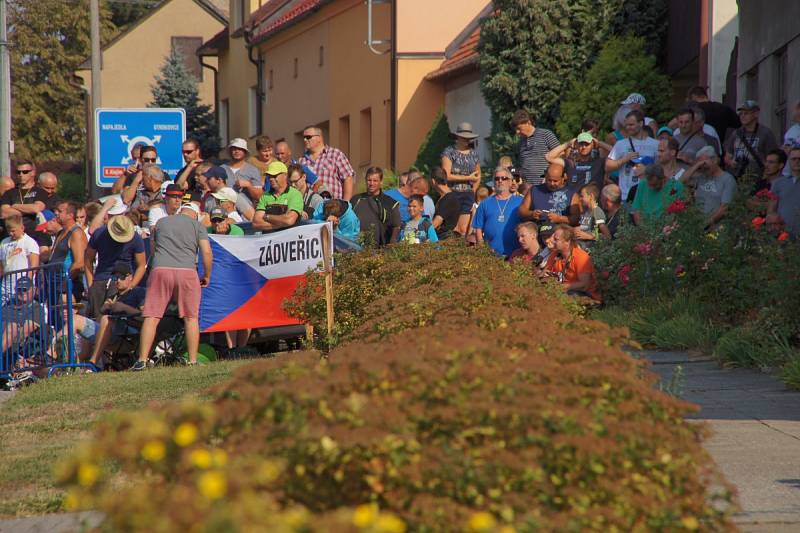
{"x":463,"y":57}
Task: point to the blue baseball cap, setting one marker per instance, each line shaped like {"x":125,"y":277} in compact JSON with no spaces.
{"x":216,"y":172}
{"x":643,"y":160}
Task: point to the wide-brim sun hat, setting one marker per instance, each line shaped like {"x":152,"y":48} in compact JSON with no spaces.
{"x":239,"y":143}
{"x":121,"y":229}
{"x":465,"y":131}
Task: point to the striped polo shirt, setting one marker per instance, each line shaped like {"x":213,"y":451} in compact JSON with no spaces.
{"x":531,"y":151}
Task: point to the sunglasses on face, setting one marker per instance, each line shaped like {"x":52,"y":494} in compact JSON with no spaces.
{"x":149,"y":159}
{"x":26,"y":171}
{"x":188,"y":151}
{"x":502,"y":178}
{"x":309,"y":137}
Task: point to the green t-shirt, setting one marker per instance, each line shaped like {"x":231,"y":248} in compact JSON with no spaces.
{"x":291,"y":198}
{"x":235,"y":230}
{"x":653,"y":204}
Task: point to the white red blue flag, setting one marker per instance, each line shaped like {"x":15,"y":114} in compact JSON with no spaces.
{"x":254,"y":274}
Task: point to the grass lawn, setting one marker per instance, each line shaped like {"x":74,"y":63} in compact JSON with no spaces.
{"x":40,"y":424}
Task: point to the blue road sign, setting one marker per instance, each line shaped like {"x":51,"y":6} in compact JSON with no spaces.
{"x":117,"y":131}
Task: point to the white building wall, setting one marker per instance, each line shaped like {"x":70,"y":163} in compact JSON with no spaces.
{"x":724,"y":21}
{"x":465,"y":104}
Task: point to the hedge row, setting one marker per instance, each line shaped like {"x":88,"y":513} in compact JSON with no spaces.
{"x":464,"y":396}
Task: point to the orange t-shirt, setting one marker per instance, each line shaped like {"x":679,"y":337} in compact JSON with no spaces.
{"x":581,"y":263}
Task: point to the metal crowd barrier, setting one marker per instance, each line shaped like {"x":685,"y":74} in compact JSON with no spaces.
{"x":37,"y":322}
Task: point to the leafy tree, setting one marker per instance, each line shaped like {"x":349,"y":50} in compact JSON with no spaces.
{"x":435,"y":142}
{"x":530,"y":51}
{"x":647,"y":19}
{"x":621,"y":68}
{"x":176,"y":86}
{"x":49,"y":39}
{"x":124,"y":13}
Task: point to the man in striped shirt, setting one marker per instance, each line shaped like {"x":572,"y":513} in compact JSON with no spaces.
{"x":328,"y":163}
{"x":534,"y":143}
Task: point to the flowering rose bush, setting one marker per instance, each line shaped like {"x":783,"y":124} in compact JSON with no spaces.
{"x":464,"y":397}
{"x":736,"y":273}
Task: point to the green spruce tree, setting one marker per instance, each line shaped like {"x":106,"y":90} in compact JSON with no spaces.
{"x":176,"y":86}
{"x":49,"y":39}
{"x":530,"y":52}
{"x":622,"y":67}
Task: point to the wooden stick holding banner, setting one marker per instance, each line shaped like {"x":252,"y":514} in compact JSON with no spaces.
{"x":327,"y":265}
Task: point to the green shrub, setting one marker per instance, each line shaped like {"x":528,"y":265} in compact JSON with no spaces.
{"x":791,"y":372}
{"x":750,"y":346}
{"x":456,"y":404}
{"x":437,"y":139}
{"x":72,"y":187}
{"x":622,"y":67}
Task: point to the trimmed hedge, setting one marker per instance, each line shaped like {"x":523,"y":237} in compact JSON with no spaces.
{"x":463,"y":396}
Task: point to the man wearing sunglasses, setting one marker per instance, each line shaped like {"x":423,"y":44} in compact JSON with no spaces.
{"x":329,"y":164}
{"x":496,"y":218}
{"x":149,"y":155}
{"x":26,"y":200}
{"x":192,"y":156}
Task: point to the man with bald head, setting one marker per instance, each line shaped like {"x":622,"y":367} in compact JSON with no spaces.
{"x":48,"y":182}
{"x":552,"y":202}
{"x":329,"y":164}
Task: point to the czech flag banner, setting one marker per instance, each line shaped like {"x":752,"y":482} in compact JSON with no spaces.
{"x":252,"y":276}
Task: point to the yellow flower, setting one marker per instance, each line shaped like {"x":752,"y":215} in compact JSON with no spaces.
{"x":88,"y":474}
{"x":154,"y":451}
{"x":481,"y":521}
{"x":219,"y":457}
{"x":212,"y":485}
{"x":200,"y":458}
{"x":268,"y":472}
{"x":72,"y":501}
{"x":690,"y":523}
{"x":389,"y":523}
{"x":507,"y":529}
{"x":666,"y":458}
{"x":365,"y":515}
{"x":328,"y":444}
{"x":185,"y":434}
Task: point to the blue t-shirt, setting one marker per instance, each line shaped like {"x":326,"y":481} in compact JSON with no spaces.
{"x":552,"y":201}
{"x":110,"y":251}
{"x":498,"y":220}
{"x":134,"y":297}
{"x":349,"y":225}
{"x":402,"y":202}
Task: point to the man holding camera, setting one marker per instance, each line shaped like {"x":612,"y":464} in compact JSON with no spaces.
{"x":636,"y":144}
{"x":747,"y":148}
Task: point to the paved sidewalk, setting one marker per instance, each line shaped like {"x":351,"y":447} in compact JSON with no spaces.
{"x":755,"y":421}
{"x":52,"y":523}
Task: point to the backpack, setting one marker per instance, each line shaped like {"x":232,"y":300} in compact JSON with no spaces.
{"x":421,"y":233}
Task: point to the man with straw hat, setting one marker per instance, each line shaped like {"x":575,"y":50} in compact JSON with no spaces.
{"x":115,"y":242}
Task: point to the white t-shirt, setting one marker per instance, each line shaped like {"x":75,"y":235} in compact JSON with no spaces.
{"x":646,"y":147}
{"x":235,"y":216}
{"x":14,"y":254}
{"x":155,"y":214}
{"x":791,"y":138}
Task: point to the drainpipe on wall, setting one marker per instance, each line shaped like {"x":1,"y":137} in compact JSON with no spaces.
{"x":259,"y":63}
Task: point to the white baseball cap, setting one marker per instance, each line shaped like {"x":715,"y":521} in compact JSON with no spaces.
{"x":238,"y":142}
{"x":193,"y":207}
{"x":226,"y":194}
{"x":119,"y":206}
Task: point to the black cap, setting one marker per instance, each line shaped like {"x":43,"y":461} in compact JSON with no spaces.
{"x":192,"y":196}
{"x":217,"y":214}
{"x":545,"y":230}
{"x":121,"y":269}
{"x":173,"y":189}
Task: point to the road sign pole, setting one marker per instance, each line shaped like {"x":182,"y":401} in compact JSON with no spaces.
{"x":94,"y":24}
{"x":5,"y":95}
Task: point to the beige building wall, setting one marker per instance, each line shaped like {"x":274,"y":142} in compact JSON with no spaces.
{"x":131,"y":64}
{"x":236,"y":82}
{"x":418,"y":102}
{"x":320,"y":72}
{"x":431,"y":25}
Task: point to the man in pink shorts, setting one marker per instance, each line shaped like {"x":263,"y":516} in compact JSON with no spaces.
{"x":178,"y":238}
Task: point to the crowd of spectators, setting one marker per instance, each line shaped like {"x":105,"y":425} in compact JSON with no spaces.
{"x":545,"y":205}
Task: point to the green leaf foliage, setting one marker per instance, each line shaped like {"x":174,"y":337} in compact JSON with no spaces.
{"x":436,"y":141}
{"x":621,"y":68}
{"x":176,"y":86}
{"x":49,"y":40}
{"x":530,"y":52}
{"x":647,"y":19}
